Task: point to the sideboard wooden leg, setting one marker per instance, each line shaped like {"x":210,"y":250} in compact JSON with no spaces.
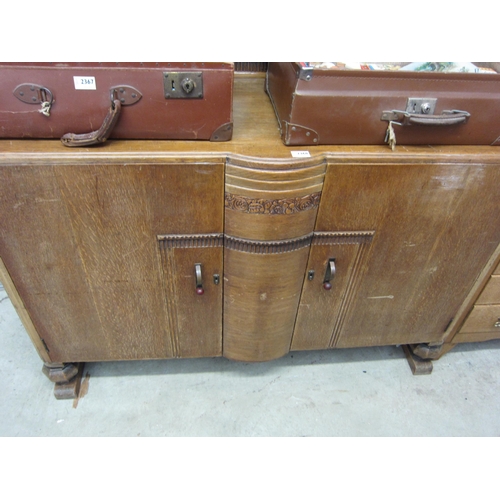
{"x":431,"y":352}
{"x":418,"y":365}
{"x":66,"y":377}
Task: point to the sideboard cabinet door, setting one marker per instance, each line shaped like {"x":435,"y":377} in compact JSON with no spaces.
{"x":103,"y":255}
{"x":334,"y":270}
{"x":435,"y":225}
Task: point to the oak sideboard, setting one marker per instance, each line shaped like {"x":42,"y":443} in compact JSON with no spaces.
{"x":179,"y":249}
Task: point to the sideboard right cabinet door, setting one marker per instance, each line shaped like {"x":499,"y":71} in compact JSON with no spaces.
{"x":422,"y":231}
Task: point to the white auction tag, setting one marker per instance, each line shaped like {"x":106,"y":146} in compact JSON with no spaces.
{"x":301,"y":154}
{"x":84,"y":82}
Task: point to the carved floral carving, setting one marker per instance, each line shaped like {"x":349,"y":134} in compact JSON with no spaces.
{"x":284,"y":206}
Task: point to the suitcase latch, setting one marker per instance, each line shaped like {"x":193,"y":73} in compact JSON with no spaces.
{"x":31,"y":93}
{"x":183,"y":85}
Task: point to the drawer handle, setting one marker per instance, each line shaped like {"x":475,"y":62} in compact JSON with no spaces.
{"x":329,"y":274}
{"x":199,"y":281}
{"x":497,"y":324}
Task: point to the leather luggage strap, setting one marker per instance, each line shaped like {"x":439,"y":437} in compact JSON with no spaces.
{"x":97,"y":136}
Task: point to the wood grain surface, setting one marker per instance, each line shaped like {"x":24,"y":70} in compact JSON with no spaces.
{"x":261,"y":295}
{"x":436,"y":226}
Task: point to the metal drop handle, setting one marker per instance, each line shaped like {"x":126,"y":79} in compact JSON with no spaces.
{"x":329,"y":274}
{"x":199,"y":280}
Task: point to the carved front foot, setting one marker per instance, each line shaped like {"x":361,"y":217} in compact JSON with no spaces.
{"x":67,"y":378}
{"x":427,"y":351}
{"x":418,"y":365}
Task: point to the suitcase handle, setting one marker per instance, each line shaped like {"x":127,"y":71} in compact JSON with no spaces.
{"x":448,"y":117}
{"x":97,"y":136}
{"x":397,"y":117}
{"x":452,"y":117}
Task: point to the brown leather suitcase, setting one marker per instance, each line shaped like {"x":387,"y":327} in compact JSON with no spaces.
{"x":331,"y":106}
{"x":85,"y":103}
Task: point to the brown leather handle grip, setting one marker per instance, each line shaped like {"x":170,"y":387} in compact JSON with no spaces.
{"x":97,"y":136}
{"x":447,"y":117}
{"x":451,"y":118}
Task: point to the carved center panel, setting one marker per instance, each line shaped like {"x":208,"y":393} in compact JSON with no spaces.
{"x":285,"y":206}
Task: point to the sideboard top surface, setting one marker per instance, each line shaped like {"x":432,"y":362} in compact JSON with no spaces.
{"x":256,"y":136}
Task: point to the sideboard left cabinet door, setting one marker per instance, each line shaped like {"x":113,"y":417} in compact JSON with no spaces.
{"x":103,"y":254}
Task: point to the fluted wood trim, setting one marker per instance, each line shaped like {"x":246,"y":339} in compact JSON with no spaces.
{"x":191,"y":240}
{"x":263,"y":247}
{"x":269,"y":172}
{"x":342,"y":237}
{"x":273,"y":183}
{"x":236,"y":183}
{"x":267,"y":247}
{"x":351,"y":291}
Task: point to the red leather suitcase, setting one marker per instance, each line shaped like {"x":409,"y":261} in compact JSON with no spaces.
{"x":85,"y":103}
{"x":332,"y":106}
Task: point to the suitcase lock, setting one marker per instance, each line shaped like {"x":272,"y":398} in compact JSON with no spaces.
{"x":183,"y":85}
